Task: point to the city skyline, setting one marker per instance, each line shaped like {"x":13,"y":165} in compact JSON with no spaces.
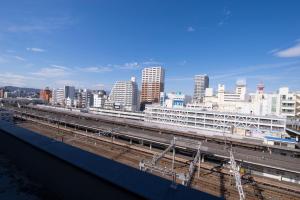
{"x":75,"y":44}
{"x":150,"y":99}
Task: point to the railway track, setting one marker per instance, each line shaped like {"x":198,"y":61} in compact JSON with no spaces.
{"x":133,"y":125}
{"x":251,"y":159}
{"x":131,"y":154}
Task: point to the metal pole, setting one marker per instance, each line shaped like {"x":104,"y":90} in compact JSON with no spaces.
{"x":199,"y":162}
{"x":173,"y":160}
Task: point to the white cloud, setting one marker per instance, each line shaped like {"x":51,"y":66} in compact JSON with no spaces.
{"x":273,"y":51}
{"x":19,"y":58}
{"x":182,"y":63}
{"x":40,"y":25}
{"x":151,"y":62}
{"x":50,"y":72}
{"x":100,"y":69}
{"x":249,"y":69}
{"x":291,"y":52}
{"x":25,"y":28}
{"x":101,"y":85}
{"x":10,"y":51}
{"x":225,"y":16}
{"x":34,"y":49}
{"x":131,"y":66}
{"x":60,"y":67}
{"x":190,"y":29}
{"x":10,"y":79}
{"x":66,"y":82}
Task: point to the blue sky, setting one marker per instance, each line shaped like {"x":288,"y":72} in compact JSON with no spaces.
{"x":91,"y":44}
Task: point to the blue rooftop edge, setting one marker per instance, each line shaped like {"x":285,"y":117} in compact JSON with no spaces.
{"x":287,"y":140}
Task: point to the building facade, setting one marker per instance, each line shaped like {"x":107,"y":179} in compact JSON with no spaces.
{"x":69,"y":92}
{"x":58,"y":96}
{"x":99,"y":99}
{"x":201,"y":83}
{"x":83,"y":98}
{"x":46,"y":94}
{"x":234,"y":123}
{"x":1,"y":93}
{"x":172,"y":100}
{"x":125,"y":95}
{"x":298,"y":104}
{"x":153,"y":81}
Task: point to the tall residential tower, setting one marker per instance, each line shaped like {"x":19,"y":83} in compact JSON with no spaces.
{"x":153,"y":82}
{"x":125,"y":94}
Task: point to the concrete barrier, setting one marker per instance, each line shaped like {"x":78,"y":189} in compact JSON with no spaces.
{"x":72,"y":173}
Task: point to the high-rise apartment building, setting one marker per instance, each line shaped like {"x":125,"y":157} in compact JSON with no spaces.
{"x":58,"y":96}
{"x":153,"y":82}
{"x":125,"y":94}
{"x":201,"y":83}
{"x":46,"y":94}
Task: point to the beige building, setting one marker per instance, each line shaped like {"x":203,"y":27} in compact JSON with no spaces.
{"x":153,"y":82}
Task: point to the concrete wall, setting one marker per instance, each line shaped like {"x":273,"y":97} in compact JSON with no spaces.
{"x":72,"y":173}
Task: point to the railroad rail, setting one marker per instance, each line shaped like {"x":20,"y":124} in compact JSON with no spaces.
{"x":280,"y":164}
{"x":208,"y":181}
{"x":251,"y":144}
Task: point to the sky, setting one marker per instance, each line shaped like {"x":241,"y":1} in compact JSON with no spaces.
{"x":92,"y":44}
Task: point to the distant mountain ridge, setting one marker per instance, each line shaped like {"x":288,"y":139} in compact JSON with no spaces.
{"x":14,"y":88}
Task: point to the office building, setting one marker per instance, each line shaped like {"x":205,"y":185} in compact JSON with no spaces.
{"x":201,"y":83}
{"x":69,"y":92}
{"x":153,"y":80}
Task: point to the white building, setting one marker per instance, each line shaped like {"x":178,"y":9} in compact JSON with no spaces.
{"x":172,"y":100}
{"x":69,"y":102}
{"x":282,"y":103}
{"x":125,"y":95}
{"x":83,"y":98}
{"x":201,"y":83}
{"x":298,"y":104}
{"x":99,"y":99}
{"x":58,"y":96}
{"x":234,"y":123}
{"x":240,"y":93}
